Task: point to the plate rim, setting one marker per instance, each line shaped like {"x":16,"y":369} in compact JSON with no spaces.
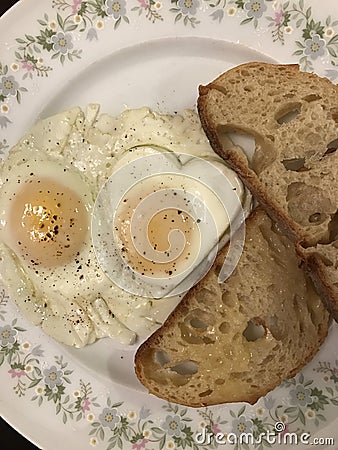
{"x":20,"y":6}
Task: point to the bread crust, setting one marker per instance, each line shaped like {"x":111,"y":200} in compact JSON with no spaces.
{"x":145,"y":356}
{"x":158,"y":377}
{"x":234,"y":157}
{"x":315,"y":267}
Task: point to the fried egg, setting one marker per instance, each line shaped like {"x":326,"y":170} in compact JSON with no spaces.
{"x":50,"y":183}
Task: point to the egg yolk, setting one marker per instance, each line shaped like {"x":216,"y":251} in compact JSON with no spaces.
{"x":157,"y":234}
{"x":48,"y":221}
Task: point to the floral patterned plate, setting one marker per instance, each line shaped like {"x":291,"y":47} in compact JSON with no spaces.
{"x":60,"y":53}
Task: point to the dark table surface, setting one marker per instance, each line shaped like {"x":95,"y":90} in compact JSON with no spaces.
{"x":10,"y":439}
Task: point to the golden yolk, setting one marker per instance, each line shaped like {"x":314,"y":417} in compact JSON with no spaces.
{"x":166,"y":221}
{"x":49,"y":222}
{"x":156,"y":232}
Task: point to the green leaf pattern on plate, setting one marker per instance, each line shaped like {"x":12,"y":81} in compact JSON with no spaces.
{"x":59,"y":37}
{"x":115,"y":426}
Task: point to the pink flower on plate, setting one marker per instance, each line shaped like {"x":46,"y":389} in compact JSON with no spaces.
{"x":278,"y":17}
{"x":139,"y":445}
{"x":85,"y":406}
{"x":75,"y":6}
{"x":143,"y":3}
{"x":215,"y":428}
{"x":15,"y":373}
{"x":27,"y":66}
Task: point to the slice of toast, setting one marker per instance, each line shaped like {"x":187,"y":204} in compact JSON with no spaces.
{"x":293,"y":118}
{"x":237,"y":340}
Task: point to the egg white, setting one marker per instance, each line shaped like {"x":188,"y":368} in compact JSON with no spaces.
{"x":77,"y":303}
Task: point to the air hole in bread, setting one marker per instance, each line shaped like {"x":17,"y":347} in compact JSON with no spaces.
{"x":265,"y":154}
{"x":274,"y":326}
{"x":205,"y":393}
{"x":245,"y":73}
{"x":237,"y":375}
{"x":311,"y":98}
{"x":229,"y":299}
{"x":294,"y":164}
{"x":242,"y":309}
{"x":218,"y":268}
{"x":276,"y":241}
{"x":316,"y":218}
{"x":254,"y":330}
{"x":205,"y":296}
{"x":178,"y":380}
{"x":333,"y":228}
{"x":162,"y":358}
{"x":258,"y":150}
{"x":233,"y":136}
{"x":197,"y":315}
{"x":224,"y":327}
{"x":329,"y":151}
{"x":188,"y":335}
{"x":195,"y":322}
{"x":185,"y":368}
{"x":288,"y":113}
{"x":208,"y":340}
{"x":334,"y":114}
{"x":315,"y":318}
{"x":305,"y":201}
{"x":193,"y":334}
{"x":331,"y":147}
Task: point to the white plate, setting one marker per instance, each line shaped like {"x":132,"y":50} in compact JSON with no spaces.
{"x":155,"y":54}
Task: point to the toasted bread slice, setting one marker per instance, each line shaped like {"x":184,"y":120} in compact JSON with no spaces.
{"x":293,"y":117}
{"x":237,"y":340}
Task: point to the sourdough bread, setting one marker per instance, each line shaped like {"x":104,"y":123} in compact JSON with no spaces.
{"x":237,"y":340}
{"x":293,"y":117}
